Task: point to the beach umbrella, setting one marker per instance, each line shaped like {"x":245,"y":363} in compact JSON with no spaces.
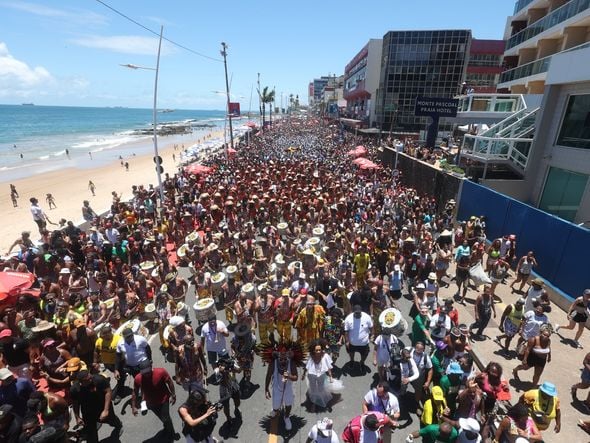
{"x":360,"y":160}
{"x":369,"y":165}
{"x":198,"y":169}
{"x":251,"y":124}
{"x":360,"y":150}
{"x":231,"y":151}
{"x":13,"y":283}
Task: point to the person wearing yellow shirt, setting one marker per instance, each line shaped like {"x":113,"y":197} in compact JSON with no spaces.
{"x":544,"y":406}
{"x":106,"y":347}
{"x":435,"y":408}
{"x":362,"y":260}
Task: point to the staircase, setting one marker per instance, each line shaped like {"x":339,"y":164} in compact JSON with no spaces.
{"x":508,"y":142}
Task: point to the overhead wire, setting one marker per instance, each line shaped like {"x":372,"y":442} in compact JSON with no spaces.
{"x":157,"y":33}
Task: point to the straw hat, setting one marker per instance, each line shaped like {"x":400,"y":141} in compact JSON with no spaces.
{"x":43,"y":326}
{"x":212,"y":247}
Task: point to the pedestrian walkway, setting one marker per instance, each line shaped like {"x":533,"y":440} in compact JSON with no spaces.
{"x":564,"y":369}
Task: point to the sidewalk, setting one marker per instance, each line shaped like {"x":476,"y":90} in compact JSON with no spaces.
{"x":564,"y":369}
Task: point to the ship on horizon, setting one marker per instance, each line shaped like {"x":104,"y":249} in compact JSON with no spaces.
{"x":28,"y":104}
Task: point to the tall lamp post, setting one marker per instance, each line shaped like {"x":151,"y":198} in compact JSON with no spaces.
{"x":231,"y":131}
{"x":157,"y":158}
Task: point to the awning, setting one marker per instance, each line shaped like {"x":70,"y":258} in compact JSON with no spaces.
{"x":351,"y":121}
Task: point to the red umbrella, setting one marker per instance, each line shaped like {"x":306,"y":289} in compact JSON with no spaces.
{"x":360,"y":160}
{"x":198,"y":169}
{"x":251,"y":124}
{"x":231,"y":151}
{"x":369,"y":165}
{"x":361,"y":150}
{"x":12,"y":282}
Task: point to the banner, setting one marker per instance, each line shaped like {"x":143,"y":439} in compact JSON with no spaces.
{"x":234,"y":109}
{"x":436,"y":107}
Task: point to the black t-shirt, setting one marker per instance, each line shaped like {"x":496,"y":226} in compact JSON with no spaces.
{"x":12,"y":432}
{"x":15,"y":351}
{"x":91,"y":397}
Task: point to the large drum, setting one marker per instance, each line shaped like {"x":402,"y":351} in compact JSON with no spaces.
{"x":280,"y":261}
{"x":217,"y":280}
{"x":318,"y":231}
{"x":150,"y":311}
{"x":181,"y":252}
{"x":282,"y":228}
{"x":313,"y":243}
{"x":231,"y":271}
{"x":135,"y":325}
{"x":392,"y":319}
{"x":248,"y":289}
{"x":204,"y":309}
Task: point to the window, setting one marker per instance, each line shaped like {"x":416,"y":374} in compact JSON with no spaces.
{"x":563,"y":192}
{"x":575,"y":128}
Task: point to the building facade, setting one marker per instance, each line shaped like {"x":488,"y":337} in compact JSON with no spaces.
{"x":361,"y":81}
{"x":485,"y":65}
{"x":535,"y":33}
{"x":418,"y":63}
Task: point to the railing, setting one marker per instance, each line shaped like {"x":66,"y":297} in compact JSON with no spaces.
{"x":557,"y":16}
{"x":491,"y":103}
{"x":510,"y":140}
{"x":521,"y":4}
{"x":537,"y":67}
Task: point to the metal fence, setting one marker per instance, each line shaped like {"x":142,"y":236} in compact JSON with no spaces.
{"x":561,"y":248}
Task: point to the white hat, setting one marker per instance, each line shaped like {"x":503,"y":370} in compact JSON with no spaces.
{"x":176,"y":320}
{"x":469,"y":425}
{"x":396,"y":268}
{"x":64,"y":271}
{"x":432,"y":276}
{"x":420,"y":286}
{"x":325,"y":426}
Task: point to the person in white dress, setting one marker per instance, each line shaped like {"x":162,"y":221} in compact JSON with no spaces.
{"x":318,"y":371}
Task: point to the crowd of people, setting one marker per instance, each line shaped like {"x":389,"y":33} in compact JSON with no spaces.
{"x":306,"y":257}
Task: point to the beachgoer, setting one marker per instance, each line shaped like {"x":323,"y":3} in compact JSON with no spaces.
{"x":92,"y":187}
{"x":39,"y":217}
{"x":523,"y":270}
{"x":577,"y":313}
{"x":50,"y":201}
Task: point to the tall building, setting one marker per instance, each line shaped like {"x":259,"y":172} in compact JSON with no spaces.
{"x":418,"y":63}
{"x":535,"y":33}
{"x":361,"y":81}
{"x":485,"y":65}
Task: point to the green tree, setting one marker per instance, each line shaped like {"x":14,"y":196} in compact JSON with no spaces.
{"x":267,"y":97}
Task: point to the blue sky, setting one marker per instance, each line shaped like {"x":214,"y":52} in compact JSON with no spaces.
{"x":68,"y":52}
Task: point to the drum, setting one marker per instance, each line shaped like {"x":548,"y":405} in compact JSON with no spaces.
{"x":191,"y":268}
{"x":150,"y":311}
{"x":314,"y":243}
{"x":248,"y":289}
{"x":166,"y":332}
{"x":294,"y":265}
{"x":318,"y":231}
{"x":282,"y":228}
{"x":217,"y":280}
{"x":134,"y":325}
{"x":280,"y":261}
{"x":181,"y":252}
{"x":231,"y":271}
{"x":192,"y":236}
{"x":392,"y":319}
{"x":181,"y":309}
{"x":204,"y":309}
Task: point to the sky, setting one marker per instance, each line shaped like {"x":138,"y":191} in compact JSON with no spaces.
{"x":69,"y":52}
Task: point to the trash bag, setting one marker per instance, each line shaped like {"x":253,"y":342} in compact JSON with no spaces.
{"x":335,"y":387}
{"x":478,"y":275}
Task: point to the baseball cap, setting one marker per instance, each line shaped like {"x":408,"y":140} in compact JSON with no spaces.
{"x":440,"y":345}
{"x":420,"y":286}
{"x":437,"y":393}
{"x":127,"y":332}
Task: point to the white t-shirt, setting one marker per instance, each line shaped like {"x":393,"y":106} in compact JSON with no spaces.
{"x":359,"y":329}
{"x":134,"y":352}
{"x":37,"y":213}
{"x":316,"y":437}
{"x":388,"y":405}
{"x":532,"y":324}
{"x":440,"y":329}
{"x":214,"y":342}
{"x":383,"y":347}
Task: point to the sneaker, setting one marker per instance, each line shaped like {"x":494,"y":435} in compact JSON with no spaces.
{"x":288,"y":424}
{"x":273,"y":413}
{"x":578,"y":345}
{"x":557,"y":328}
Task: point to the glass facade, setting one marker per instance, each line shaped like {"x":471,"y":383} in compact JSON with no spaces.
{"x":418,"y":63}
{"x":575,"y":127}
{"x":563,"y":192}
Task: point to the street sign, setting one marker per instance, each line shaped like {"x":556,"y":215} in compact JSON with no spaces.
{"x":436,"y":107}
{"x":161,"y":170}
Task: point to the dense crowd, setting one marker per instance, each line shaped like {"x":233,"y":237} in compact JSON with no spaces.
{"x":307,"y":256}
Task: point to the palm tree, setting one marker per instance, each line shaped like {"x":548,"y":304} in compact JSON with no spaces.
{"x":267,"y":96}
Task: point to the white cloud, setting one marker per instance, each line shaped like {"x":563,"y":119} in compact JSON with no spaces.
{"x":16,"y":75}
{"x":79,"y":16}
{"x":126,"y":44}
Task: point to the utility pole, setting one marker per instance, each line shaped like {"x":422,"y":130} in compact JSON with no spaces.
{"x":260,"y":102}
{"x":231,"y":131}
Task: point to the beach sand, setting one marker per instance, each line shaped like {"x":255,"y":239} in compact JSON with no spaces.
{"x":69,"y":187}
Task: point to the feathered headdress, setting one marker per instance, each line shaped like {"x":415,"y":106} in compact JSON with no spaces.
{"x":272,"y":350}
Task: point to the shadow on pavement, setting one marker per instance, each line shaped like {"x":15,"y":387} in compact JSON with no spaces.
{"x":230,"y":429}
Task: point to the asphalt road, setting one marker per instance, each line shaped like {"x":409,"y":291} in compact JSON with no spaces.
{"x":256,"y":424}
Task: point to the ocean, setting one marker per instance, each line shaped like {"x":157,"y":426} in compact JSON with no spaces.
{"x":34,"y":139}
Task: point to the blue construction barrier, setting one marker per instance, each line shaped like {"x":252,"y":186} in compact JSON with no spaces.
{"x":561,"y":248}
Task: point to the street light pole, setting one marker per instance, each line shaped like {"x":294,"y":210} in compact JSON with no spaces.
{"x":231,"y":132}
{"x":157,"y":156}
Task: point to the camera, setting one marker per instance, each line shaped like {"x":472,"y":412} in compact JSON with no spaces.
{"x":218,"y":406}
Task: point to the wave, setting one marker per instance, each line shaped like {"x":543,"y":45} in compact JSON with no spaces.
{"x":106,"y":143}
{"x":43,"y":157}
{"x":59,"y":153}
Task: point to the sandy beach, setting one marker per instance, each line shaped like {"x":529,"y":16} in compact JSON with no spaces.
{"x":69,"y":187}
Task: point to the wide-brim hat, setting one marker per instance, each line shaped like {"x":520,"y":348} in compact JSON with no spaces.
{"x":538,"y":282}
{"x":241,"y":330}
{"x":43,"y":326}
{"x":548,"y":388}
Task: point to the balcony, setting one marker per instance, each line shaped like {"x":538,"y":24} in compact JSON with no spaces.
{"x":556,"y":17}
{"x":537,"y":67}
{"x":521,"y":4}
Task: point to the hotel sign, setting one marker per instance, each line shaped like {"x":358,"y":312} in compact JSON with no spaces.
{"x":436,"y":107}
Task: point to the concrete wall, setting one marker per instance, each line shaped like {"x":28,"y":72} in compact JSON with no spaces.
{"x":516,"y":189}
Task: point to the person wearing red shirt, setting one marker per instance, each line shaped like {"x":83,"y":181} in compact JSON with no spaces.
{"x":157,"y":391}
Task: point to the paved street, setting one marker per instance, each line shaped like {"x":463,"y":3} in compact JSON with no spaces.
{"x":257,"y":425}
